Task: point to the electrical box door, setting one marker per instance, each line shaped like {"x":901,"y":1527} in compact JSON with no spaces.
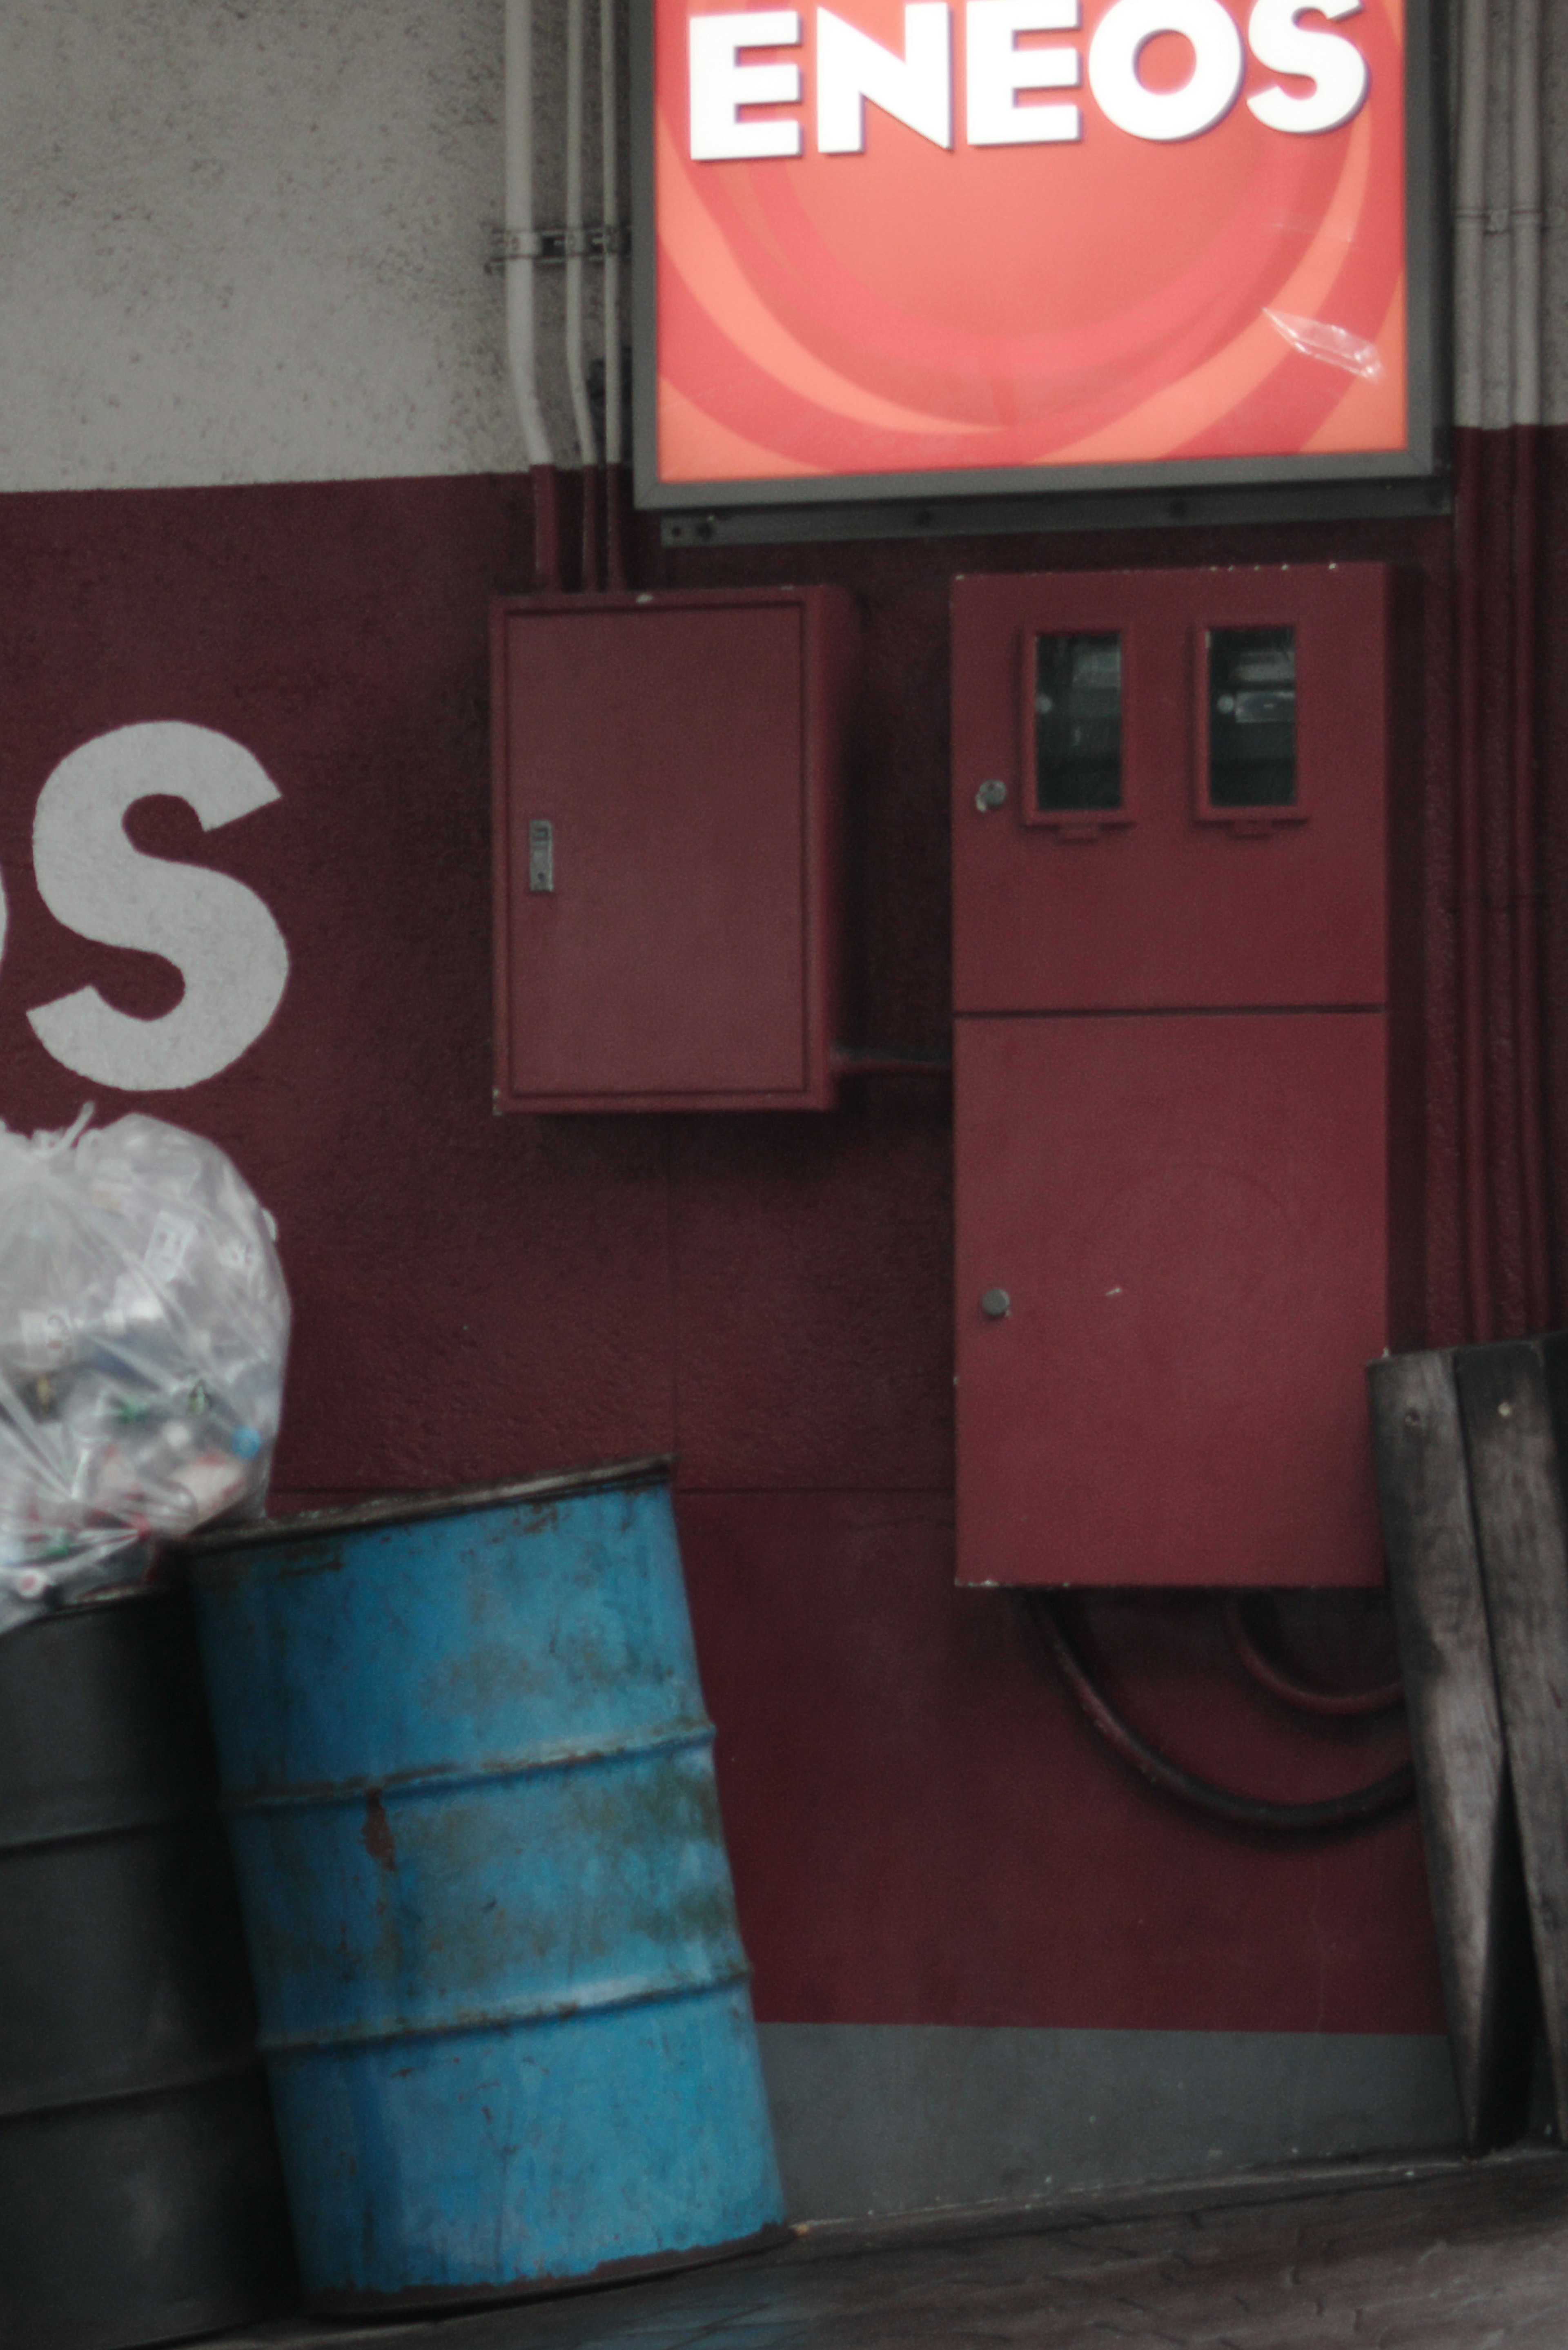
{"x":668,"y":778}
{"x":1171,"y":947}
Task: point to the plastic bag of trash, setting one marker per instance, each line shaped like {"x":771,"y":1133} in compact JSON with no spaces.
{"x":143,"y":1333}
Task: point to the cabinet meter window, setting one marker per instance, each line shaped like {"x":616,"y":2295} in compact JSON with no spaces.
{"x":1252,"y":718}
{"x":1077,"y":725}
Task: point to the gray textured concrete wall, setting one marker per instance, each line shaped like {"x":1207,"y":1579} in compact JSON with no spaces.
{"x":1499,"y":403}
{"x":245,"y":241}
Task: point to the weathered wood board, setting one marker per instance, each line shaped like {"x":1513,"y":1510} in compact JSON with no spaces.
{"x":1456,"y":1742}
{"x":1510,"y":1397}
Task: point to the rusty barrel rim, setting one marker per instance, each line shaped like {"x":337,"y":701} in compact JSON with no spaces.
{"x":404,"y":1509}
{"x":631,"y":2271}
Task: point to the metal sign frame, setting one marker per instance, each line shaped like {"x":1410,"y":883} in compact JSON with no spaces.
{"x":1423,"y":458}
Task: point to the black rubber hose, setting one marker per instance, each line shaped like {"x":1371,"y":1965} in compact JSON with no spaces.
{"x":1356,"y":1809}
{"x":1301,"y":1695}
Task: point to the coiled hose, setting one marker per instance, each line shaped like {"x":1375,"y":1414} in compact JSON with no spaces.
{"x":1355,"y":1809}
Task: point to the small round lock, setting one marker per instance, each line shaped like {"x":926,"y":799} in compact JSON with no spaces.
{"x":995,"y":1305}
{"x":991,"y":794}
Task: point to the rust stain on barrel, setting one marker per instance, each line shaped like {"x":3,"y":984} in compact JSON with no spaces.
{"x":375,"y":1835}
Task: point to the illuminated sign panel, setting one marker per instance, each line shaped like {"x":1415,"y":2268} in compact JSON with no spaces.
{"x":890,"y":248}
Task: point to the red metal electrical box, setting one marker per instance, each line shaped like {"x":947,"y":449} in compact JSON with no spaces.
{"x":1171,"y":946}
{"x":668,"y":775}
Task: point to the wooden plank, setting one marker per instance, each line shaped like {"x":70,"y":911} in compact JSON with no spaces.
{"x":1456,"y":1742}
{"x":1510,"y":1402}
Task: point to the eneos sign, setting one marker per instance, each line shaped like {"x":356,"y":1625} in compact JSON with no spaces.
{"x":1027,"y":244}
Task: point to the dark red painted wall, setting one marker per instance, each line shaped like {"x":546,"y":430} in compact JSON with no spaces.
{"x":923,"y":1829}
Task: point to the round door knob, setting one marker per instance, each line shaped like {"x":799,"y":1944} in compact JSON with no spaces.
{"x":991,"y":796}
{"x":995,"y":1304}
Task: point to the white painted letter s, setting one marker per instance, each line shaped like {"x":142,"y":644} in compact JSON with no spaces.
{"x":1334,"y":66}
{"x":219,"y":935}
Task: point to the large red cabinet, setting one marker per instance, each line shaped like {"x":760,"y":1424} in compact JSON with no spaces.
{"x":1170,"y":814}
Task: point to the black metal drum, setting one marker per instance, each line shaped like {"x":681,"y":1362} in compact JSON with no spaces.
{"x":140,"y":2198}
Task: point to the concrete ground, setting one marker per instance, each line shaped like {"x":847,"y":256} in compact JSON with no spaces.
{"x":1433,"y":2256}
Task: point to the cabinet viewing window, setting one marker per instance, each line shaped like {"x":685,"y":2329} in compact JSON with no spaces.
{"x":1077,"y":725}
{"x":1252,"y":690}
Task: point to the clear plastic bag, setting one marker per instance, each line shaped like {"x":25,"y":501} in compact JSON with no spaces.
{"x":143,"y":1334}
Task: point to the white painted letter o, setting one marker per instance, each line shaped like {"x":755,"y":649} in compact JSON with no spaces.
{"x":1219,"y":64}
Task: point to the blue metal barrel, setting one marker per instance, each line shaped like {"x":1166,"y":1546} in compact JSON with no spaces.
{"x":469,"y":1782}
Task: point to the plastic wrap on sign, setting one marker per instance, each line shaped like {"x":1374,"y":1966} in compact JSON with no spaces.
{"x":143,"y":1334}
